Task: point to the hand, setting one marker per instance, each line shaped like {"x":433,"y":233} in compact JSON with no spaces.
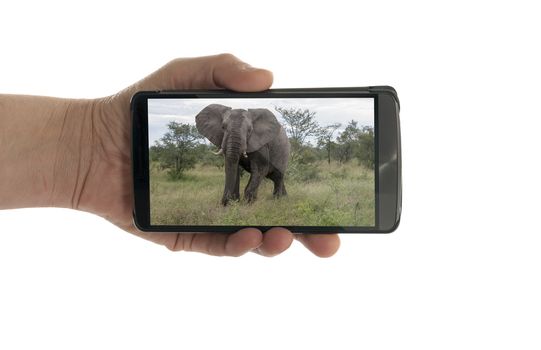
{"x":107,"y":189}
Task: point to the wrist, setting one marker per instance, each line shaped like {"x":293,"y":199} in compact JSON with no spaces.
{"x":74,"y":150}
{"x":104,"y":187}
{"x":46,"y":143}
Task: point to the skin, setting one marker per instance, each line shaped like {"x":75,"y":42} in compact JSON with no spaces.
{"x":78,"y":156}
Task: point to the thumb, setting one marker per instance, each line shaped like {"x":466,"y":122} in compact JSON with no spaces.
{"x":208,"y":72}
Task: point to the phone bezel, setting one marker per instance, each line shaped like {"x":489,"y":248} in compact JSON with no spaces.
{"x":387,"y":156}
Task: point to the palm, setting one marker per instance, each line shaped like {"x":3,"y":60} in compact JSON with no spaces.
{"x":112,"y":161}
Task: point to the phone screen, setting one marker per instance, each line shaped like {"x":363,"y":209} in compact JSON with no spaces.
{"x":262,"y":161}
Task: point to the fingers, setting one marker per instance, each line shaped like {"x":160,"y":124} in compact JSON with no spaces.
{"x":208,"y":72}
{"x":275,"y":241}
{"x":322,"y":245}
{"x":220,"y":244}
{"x":271,"y":243}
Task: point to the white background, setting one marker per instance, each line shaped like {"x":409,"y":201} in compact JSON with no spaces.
{"x":463,"y":269}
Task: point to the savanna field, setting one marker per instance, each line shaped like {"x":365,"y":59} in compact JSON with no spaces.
{"x":339,"y":195}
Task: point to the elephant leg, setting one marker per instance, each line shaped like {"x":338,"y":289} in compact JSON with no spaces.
{"x":250,"y":192}
{"x":279,"y":186}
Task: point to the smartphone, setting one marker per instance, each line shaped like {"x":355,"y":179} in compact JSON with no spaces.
{"x":313,"y":160}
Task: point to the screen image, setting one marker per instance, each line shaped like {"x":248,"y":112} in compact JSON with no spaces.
{"x":262,"y":161}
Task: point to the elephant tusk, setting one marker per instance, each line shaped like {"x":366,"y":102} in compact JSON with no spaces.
{"x":220,"y":152}
{"x":244,"y":155}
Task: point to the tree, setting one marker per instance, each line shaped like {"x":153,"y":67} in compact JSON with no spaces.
{"x":355,"y":142}
{"x":366,"y":153}
{"x":207,"y":156}
{"x":176,"y":150}
{"x":347,"y":141}
{"x":300,"y":125}
{"x":325,"y":138}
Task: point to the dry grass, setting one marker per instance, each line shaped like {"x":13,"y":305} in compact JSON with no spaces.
{"x":342,"y":196}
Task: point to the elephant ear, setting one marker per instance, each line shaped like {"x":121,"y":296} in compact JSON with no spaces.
{"x":265,"y":128}
{"x":209,"y":122}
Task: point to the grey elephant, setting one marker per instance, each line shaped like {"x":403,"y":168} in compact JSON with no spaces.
{"x":252,"y":139}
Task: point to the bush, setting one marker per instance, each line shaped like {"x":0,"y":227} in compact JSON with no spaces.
{"x":177,"y":150}
{"x":303,"y":172}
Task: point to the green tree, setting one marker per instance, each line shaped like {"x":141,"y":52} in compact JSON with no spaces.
{"x":206,"y":155}
{"x":366,"y":153}
{"x":325,"y":138}
{"x":356,"y":143}
{"x":348,"y":142}
{"x":301,"y":125}
{"x":176,"y":150}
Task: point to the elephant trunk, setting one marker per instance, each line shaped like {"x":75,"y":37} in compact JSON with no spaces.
{"x":233,"y":148}
{"x":232,"y":155}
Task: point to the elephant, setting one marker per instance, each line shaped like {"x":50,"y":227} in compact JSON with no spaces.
{"x":250,"y":138}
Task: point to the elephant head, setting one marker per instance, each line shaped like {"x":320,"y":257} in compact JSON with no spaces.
{"x":236,"y":132}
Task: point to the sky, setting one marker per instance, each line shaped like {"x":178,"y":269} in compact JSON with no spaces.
{"x":328,"y":110}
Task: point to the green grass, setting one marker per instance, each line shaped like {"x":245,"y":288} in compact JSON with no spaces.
{"x":343,"y":195}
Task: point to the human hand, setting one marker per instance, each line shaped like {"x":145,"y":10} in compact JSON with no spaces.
{"x":107,"y":189}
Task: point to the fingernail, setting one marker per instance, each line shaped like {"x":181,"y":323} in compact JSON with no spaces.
{"x":265,"y":253}
{"x":246,"y":66}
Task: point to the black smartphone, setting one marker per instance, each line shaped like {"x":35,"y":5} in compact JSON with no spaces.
{"x":314,"y":160}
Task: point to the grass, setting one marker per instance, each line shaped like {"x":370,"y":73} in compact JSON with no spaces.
{"x":343,"y":195}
